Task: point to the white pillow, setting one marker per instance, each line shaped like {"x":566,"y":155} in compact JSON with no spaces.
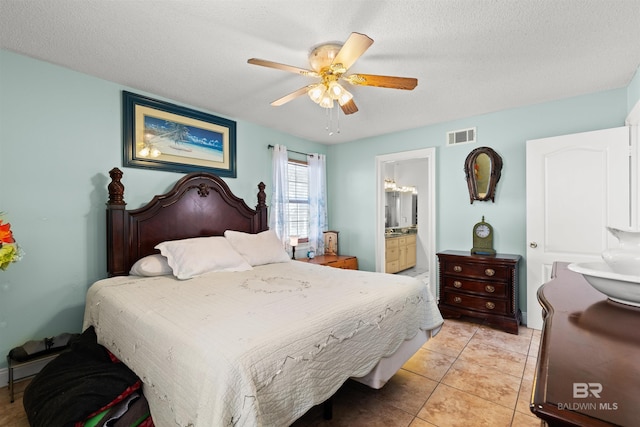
{"x":152,"y":265}
{"x":258,"y":249}
{"x":192,"y":257}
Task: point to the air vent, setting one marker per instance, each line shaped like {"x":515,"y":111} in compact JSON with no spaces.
{"x":461,"y":136}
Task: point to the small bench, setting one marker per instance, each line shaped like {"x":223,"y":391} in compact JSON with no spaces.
{"x":34,"y":352}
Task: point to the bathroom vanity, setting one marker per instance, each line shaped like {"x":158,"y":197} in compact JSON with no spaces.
{"x":400,"y":251}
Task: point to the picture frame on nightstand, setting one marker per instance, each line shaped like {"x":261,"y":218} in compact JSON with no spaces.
{"x":331,"y":242}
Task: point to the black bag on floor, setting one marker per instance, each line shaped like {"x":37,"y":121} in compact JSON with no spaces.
{"x":77,"y":384}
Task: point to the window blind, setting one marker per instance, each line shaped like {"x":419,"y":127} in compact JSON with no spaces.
{"x":298,"y":206}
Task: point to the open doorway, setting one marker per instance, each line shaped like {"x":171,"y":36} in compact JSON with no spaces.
{"x":409,"y":168}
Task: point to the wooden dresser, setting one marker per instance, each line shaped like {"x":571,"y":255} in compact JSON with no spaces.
{"x":480,"y":286}
{"x":400,"y":253}
{"x":588,"y":368}
{"x":337,"y":261}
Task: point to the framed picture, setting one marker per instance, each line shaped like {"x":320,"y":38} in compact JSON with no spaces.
{"x":330,"y":242}
{"x":164,"y":136}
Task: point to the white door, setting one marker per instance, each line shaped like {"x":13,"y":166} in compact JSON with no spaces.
{"x":576,"y":186}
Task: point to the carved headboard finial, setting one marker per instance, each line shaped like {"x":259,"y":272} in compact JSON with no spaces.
{"x":262,"y":196}
{"x":116,"y":188}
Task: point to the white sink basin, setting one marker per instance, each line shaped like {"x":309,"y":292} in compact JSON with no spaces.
{"x":618,"y":287}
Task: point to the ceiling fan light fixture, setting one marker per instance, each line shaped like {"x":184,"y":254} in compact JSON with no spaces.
{"x":335,"y":90}
{"x":345,"y":97}
{"x":317,"y":92}
{"x":329,"y":63}
{"x":326,"y":101}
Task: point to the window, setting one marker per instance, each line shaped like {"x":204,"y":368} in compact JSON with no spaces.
{"x":298,"y":207}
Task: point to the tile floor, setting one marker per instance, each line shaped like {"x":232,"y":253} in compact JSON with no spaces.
{"x":469,"y":375}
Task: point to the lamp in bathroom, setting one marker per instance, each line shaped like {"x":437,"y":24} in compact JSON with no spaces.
{"x":293,"y":241}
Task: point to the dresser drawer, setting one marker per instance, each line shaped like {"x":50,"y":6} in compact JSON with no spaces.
{"x":488,"y":289}
{"x":480,"y":271}
{"x":348,"y":264}
{"x":478,"y":303}
{"x":336,"y":261}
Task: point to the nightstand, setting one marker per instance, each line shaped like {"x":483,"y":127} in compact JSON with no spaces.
{"x":337,"y":261}
{"x":484,"y":287}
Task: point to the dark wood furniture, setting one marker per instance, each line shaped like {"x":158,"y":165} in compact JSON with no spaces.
{"x":199,"y":205}
{"x":347,"y":262}
{"x":588,"y":369}
{"x":484,"y":287}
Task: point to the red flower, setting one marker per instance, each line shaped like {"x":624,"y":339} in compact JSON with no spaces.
{"x":6,"y":236}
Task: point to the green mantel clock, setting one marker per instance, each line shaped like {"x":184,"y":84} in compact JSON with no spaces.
{"x":483,"y":239}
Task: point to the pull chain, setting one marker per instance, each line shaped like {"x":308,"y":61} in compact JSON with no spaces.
{"x":329,"y":127}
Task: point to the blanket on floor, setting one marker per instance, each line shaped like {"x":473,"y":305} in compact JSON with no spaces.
{"x":81,"y":382}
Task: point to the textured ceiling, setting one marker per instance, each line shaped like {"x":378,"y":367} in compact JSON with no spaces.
{"x":470,"y":57}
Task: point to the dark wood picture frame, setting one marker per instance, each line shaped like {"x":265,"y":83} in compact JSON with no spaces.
{"x":169,"y":137}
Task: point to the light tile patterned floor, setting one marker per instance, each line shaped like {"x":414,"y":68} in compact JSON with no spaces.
{"x":468,"y":375}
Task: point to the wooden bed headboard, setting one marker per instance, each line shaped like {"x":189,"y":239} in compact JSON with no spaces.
{"x":199,"y":204}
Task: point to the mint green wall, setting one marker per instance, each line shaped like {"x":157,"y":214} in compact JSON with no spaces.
{"x":351,"y":172}
{"x":60,"y":134}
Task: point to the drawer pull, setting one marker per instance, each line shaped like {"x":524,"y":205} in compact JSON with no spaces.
{"x":457,"y":300}
{"x":490,"y":305}
{"x":489,"y":272}
{"x":490,"y":288}
{"x":457,"y":284}
{"x":457,"y":268}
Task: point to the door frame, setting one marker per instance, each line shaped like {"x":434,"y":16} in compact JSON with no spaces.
{"x":429,"y":154}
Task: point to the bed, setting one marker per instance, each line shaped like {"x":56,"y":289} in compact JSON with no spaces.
{"x":254,"y":341}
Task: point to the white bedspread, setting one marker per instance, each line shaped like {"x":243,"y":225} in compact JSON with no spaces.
{"x":254,"y":348}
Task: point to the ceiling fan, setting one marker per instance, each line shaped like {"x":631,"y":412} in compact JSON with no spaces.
{"x":330,"y":62}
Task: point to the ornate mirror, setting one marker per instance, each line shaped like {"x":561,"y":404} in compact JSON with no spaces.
{"x":482,"y":169}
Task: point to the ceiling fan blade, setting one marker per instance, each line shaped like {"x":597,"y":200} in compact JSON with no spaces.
{"x":291,"y":96}
{"x":353,"y":48}
{"x":406,"y":83}
{"x":283,"y":67}
{"x":349,"y":107}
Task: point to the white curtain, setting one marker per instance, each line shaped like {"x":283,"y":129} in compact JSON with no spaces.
{"x":279,"y":218}
{"x":317,"y":166}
